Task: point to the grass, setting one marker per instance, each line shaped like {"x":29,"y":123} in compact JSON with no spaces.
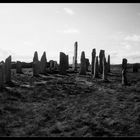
{"x":71,"y":106}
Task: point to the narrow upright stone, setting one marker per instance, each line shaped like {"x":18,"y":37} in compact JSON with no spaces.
{"x":3,"y":68}
{"x":19,"y":67}
{"x":108,"y":63}
{"x":83,"y":64}
{"x":93,"y":56}
{"x":35,"y":58}
{"x":135,"y":67}
{"x":62,"y":65}
{"x":96,"y":68}
{"x":8,"y":69}
{"x":75,"y":56}
{"x":36,"y":68}
{"x":1,"y":76}
{"x":104,"y":74}
{"x":101,"y":55}
{"x":43,"y":63}
{"x":124,"y":71}
{"x":87,"y":63}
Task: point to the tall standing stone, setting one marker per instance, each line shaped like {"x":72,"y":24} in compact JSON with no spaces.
{"x":87,"y":63}
{"x":3,"y":68}
{"x":83,"y":64}
{"x":43,"y":63}
{"x":124,"y":71}
{"x":101,"y":55}
{"x":75,"y":56}
{"x":104,"y":73}
{"x":19,"y":67}
{"x":93,"y":56}
{"x":8,"y":69}
{"x":108,"y":63}
{"x":35,"y":58}
{"x":1,"y":76}
{"x":63,"y":64}
{"x":135,"y":67}
{"x":96,"y":68}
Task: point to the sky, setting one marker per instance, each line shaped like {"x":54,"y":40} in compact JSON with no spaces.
{"x":54,"y":27}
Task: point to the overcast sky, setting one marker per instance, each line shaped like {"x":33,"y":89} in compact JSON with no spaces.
{"x":26,"y":28}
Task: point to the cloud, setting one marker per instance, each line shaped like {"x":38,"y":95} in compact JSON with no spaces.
{"x":134,"y":56}
{"x":138,"y":14}
{"x":28,"y":43}
{"x":135,"y":38}
{"x":69,"y":31}
{"x":126,"y":45}
{"x":69,"y":11}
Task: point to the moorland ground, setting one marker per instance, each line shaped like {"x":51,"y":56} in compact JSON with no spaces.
{"x":71,"y":105}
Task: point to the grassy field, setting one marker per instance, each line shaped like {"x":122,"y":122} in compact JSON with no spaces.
{"x":71,"y":105}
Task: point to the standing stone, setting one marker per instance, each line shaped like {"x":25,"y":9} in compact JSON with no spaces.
{"x":8,"y":70}
{"x":75,"y":56}
{"x":96,"y":68}
{"x":43,"y":63}
{"x":1,"y":76}
{"x":3,"y":68}
{"x":104,"y":73}
{"x":101,"y":55}
{"x":83,"y":64}
{"x":19,"y":67}
{"x":36,"y":68}
{"x":108,"y":63}
{"x":87,"y":63}
{"x":135,"y":67}
{"x":124,"y":71}
{"x":35,"y":58}
{"x":63,"y":65}
{"x":93,"y":60}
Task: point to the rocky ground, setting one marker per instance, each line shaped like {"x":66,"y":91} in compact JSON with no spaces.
{"x":70,"y":106}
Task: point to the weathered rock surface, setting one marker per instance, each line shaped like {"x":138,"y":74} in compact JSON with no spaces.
{"x":63,"y":64}
{"x":93,"y":56}
{"x":43,"y":63}
{"x":82,"y":64}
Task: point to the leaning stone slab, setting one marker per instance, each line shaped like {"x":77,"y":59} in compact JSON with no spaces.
{"x":43,"y":63}
{"x":35,"y":58}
